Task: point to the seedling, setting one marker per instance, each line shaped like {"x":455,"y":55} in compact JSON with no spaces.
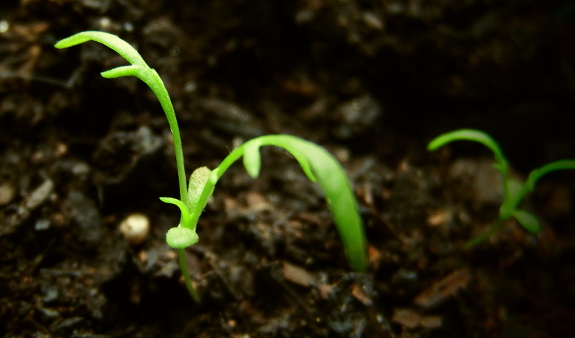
{"x":318,"y":164}
{"x":513,"y":190}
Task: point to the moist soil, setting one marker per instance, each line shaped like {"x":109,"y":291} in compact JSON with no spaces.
{"x":371,"y":81}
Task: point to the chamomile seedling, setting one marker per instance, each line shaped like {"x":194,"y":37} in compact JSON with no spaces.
{"x":318,"y":164}
{"x":513,"y":190}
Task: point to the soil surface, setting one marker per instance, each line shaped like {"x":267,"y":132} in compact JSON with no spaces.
{"x":372,"y":81}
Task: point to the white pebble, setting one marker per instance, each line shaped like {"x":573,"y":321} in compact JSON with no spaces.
{"x":4,"y":26}
{"x":7,"y":193}
{"x":135,"y":228}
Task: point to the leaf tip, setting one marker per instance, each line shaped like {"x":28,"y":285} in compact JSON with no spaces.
{"x":252,"y":159}
{"x":527,"y":220}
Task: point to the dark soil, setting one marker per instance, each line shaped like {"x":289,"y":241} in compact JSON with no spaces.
{"x":372,"y":81}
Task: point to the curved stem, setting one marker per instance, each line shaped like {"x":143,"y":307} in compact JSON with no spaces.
{"x":505,"y":177}
{"x":187,"y":278}
{"x":155,"y":83}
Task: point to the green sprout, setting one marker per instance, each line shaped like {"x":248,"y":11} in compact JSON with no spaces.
{"x":513,"y":190}
{"x":318,"y":164}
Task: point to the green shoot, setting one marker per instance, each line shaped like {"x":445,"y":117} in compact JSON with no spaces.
{"x":513,"y":190}
{"x":316,"y":162}
{"x":139,"y":69}
{"x":319,"y":166}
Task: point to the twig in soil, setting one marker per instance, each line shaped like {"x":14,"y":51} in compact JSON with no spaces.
{"x":319,"y":166}
{"x":513,"y":190}
{"x":6,"y":75}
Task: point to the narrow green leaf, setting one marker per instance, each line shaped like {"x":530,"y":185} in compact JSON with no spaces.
{"x":198,"y":181}
{"x":341,"y":202}
{"x":514,"y":189}
{"x":183,"y":208}
{"x":73,"y":40}
{"x":468,"y":135}
{"x":131,"y":70}
{"x":252,"y":158}
{"x":180,"y":237}
{"x":110,"y":40}
{"x":536,"y":174}
{"x":320,"y":166}
{"x":515,"y":193}
{"x":527,"y":220}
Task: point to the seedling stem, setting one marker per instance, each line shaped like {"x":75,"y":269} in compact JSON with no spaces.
{"x":317,"y":163}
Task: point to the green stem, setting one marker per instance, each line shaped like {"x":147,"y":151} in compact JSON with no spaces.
{"x":479,"y":239}
{"x":505,"y":178}
{"x":215,"y":175}
{"x":140,"y":69}
{"x":187,"y":279}
{"x":157,"y":86}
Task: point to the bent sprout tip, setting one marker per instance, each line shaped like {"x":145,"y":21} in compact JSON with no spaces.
{"x":536,"y":174}
{"x":321,"y":167}
{"x":467,"y":135}
{"x":110,"y":40}
{"x":141,"y":70}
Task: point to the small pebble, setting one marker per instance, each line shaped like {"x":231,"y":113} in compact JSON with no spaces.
{"x":297,"y":275}
{"x":135,"y":228}
{"x":42,"y":224}
{"x":7,"y":193}
{"x":4,"y":26}
{"x":39,"y":195}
